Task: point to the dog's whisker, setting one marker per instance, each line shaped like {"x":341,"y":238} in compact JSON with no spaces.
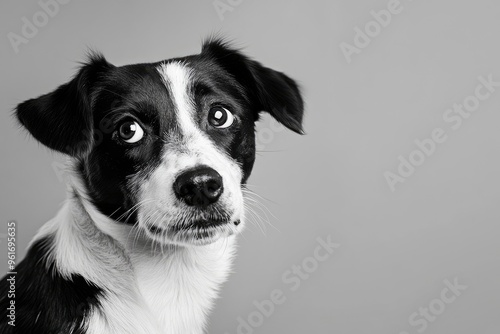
{"x":253,"y":222}
{"x":141,"y":233}
{"x":261,"y":222}
{"x":163,"y":231}
{"x":256,"y":218}
{"x":258,"y":202}
{"x":130,"y":211}
{"x":255,"y":204}
{"x":249,"y":191}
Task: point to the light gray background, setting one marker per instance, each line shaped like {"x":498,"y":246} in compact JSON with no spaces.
{"x":397,"y":247}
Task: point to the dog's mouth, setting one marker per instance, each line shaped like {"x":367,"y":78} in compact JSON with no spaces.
{"x":198,"y":231}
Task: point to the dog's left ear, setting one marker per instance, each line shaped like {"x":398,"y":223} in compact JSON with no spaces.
{"x":62,"y":120}
{"x":267,"y":89}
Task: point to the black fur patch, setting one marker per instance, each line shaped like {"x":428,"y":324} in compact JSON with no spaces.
{"x":46,"y":303}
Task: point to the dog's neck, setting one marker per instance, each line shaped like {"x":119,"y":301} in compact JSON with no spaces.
{"x":147,"y":288}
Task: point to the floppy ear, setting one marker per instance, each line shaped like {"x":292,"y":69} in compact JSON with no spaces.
{"x":267,"y":89}
{"x":62,"y":120}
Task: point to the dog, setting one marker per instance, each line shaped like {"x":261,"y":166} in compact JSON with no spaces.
{"x":158,"y":158}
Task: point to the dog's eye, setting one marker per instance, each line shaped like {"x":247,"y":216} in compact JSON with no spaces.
{"x":130,"y":132}
{"x":220,"y":117}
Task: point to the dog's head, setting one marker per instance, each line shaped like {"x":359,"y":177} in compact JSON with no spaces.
{"x":166,"y":146}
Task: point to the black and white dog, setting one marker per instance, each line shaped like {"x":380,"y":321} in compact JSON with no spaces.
{"x":158,"y":157}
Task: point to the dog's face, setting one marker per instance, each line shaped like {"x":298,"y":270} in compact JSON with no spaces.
{"x":166,"y":146}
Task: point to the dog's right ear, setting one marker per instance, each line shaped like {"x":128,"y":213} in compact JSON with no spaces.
{"x":267,"y":89}
{"x":62,"y":120}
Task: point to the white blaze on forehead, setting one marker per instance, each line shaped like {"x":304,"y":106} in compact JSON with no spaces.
{"x":159,"y":205}
{"x":177,"y":78}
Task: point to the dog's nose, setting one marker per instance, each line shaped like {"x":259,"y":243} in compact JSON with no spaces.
{"x":199,"y":187}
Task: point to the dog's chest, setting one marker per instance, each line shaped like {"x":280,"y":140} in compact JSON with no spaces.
{"x":179,"y":288}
